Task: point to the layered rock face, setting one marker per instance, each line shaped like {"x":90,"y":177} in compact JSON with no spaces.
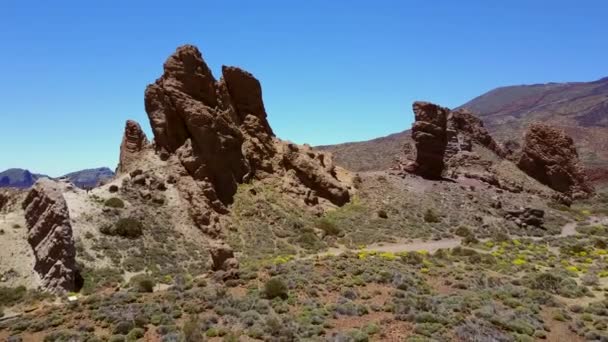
{"x":216,"y":135}
{"x":430,"y":136}
{"x":50,"y":235}
{"x":549,"y":156}
{"x":133,"y":142}
{"x":467,"y":124}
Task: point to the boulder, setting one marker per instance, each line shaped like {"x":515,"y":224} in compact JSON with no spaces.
{"x":50,"y":236}
{"x":527,"y":217}
{"x":133,"y":142}
{"x":222,"y":257}
{"x":549,"y":156}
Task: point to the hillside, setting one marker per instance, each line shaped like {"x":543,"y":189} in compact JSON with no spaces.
{"x":581,"y":108}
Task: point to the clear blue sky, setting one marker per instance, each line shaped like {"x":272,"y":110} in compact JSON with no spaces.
{"x":332,"y":71}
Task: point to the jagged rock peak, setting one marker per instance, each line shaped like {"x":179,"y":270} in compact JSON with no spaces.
{"x":217,"y":135}
{"x":549,"y":156}
{"x":134,"y":141}
{"x":50,"y":236}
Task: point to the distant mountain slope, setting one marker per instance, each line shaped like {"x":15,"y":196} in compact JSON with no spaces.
{"x":20,"y":178}
{"x":581,"y":108}
{"x":89,"y":177}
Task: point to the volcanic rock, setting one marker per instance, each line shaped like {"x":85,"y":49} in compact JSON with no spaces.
{"x":471,"y":127}
{"x":223,"y":259}
{"x":133,"y":142}
{"x":527,"y":217}
{"x":215,"y":135}
{"x":3,"y":200}
{"x":549,"y":156}
{"x":50,"y":235}
{"x":430,"y":137}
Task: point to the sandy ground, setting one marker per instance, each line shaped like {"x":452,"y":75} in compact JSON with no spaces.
{"x":16,"y":255}
{"x":428,"y":246}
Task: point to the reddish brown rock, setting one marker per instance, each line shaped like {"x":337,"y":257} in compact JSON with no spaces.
{"x":133,"y":142}
{"x":50,"y":235}
{"x":222,"y":257}
{"x":430,"y":137}
{"x":215,"y":135}
{"x":471,"y":126}
{"x":3,"y":200}
{"x":549,"y":156}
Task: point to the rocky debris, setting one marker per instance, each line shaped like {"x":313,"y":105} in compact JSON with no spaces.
{"x":133,"y":142}
{"x":430,"y":137}
{"x":224,"y":261}
{"x":143,"y":185}
{"x":526,"y":217}
{"x":215,"y":135}
{"x":50,"y":235}
{"x":315,"y":171}
{"x":549,"y":156}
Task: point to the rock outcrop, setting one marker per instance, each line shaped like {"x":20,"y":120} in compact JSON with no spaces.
{"x":430,"y":137}
{"x":471,"y":127}
{"x":50,"y":235}
{"x":224,"y":262}
{"x":3,"y":200}
{"x":134,"y":141}
{"x":527,"y":217}
{"x":549,"y":156}
{"x":216,"y":135}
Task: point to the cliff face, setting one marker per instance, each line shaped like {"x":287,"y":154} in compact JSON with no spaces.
{"x":50,"y":236}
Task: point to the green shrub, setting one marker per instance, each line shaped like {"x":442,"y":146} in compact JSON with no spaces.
{"x":192,"y":330}
{"x":329,"y":227}
{"x":12,"y":295}
{"x":143,"y":283}
{"x":135,"y":334}
{"x":431,"y":217}
{"x":275,"y":287}
{"x":462,"y":231}
{"x":114,"y":202}
{"x":412,"y":258}
{"x":126,"y":227}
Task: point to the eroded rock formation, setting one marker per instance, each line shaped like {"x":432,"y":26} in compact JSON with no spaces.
{"x":133,"y":142}
{"x":430,"y":137}
{"x":443,"y":137}
{"x":549,"y":156}
{"x":216,"y":135}
{"x":50,"y":235}
{"x":224,"y":262}
{"x":467,"y":124}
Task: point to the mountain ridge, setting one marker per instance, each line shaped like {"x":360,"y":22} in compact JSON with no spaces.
{"x":23,"y":178}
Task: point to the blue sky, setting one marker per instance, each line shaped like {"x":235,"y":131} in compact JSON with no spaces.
{"x":331,"y":71}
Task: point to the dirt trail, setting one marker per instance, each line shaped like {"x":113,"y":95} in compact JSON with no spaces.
{"x":429,"y":246}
